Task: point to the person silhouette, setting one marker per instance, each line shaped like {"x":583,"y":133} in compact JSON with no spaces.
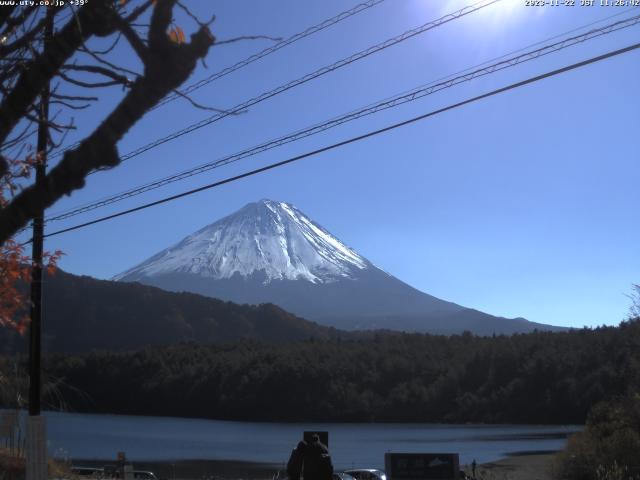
{"x":317,"y":461}
{"x":296,"y":460}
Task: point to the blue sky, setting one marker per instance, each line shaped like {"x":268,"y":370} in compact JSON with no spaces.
{"x":524,"y":204}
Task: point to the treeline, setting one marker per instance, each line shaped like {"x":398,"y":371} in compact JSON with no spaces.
{"x":539,"y":377}
{"x":608,"y":446}
{"x":83,"y":313}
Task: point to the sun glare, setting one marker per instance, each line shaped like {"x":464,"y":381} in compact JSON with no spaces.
{"x":506,"y":10}
{"x":500,"y":13}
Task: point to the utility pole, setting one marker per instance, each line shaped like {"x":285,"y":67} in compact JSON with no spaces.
{"x":36,"y":468}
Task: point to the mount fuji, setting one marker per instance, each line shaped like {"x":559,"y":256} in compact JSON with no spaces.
{"x":270,"y":252}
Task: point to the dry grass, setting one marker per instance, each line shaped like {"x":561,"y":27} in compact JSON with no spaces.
{"x":12,"y":467}
{"x":521,"y":467}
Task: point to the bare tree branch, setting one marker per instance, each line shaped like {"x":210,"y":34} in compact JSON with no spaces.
{"x":51,"y":124}
{"x":167,"y":66}
{"x":93,"y":18}
{"x":96,"y":56}
{"x":194,"y":17}
{"x":62,"y":138}
{"x":204,"y":107}
{"x":14,"y":22}
{"x":23,"y":41}
{"x":248,"y":37}
{"x":99,"y":71}
{"x":18,"y":138}
{"x":70,"y":105}
{"x":82,"y":84}
{"x":134,"y":40}
{"x":133,"y":16}
{"x":73,"y":98}
{"x":5,"y":15}
{"x":106,"y":51}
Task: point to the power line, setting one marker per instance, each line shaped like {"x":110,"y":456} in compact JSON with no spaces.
{"x":522,"y":49}
{"x":373,"y":108}
{"x":354,"y":139}
{"x":308,"y":77}
{"x":257,"y":56}
{"x":392,"y":102}
{"x":274,"y":48}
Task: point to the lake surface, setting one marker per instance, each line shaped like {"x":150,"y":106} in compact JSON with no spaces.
{"x":85,"y":436}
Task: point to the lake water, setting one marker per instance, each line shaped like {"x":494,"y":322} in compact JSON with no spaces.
{"x":85,"y":436}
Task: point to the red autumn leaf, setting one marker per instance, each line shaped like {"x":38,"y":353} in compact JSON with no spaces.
{"x":21,"y":327}
{"x":181,"y":37}
{"x":173,"y":36}
{"x":176,"y":35}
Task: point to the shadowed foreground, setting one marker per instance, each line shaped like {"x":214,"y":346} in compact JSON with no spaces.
{"x":522,"y":467}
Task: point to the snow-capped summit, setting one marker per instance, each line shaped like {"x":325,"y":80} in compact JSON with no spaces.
{"x":270,"y":238}
{"x":270,"y":252}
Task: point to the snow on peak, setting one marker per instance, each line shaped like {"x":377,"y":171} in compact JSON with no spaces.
{"x":266,"y":236}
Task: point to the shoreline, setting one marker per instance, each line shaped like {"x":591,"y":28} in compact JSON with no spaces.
{"x":522,"y":466}
{"x":198,"y":469}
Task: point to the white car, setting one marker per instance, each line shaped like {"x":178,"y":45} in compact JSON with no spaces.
{"x":342,"y":476}
{"x":87,"y":471}
{"x":144,"y":475}
{"x":367,"y":474}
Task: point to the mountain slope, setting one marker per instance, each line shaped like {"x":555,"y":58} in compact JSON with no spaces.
{"x":269,"y":251}
{"x":270,"y":237}
{"x":82,"y":313}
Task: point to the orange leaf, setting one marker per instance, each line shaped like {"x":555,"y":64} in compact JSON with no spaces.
{"x":173,"y":35}
{"x":21,"y":327}
{"x":181,"y":37}
{"x":176,"y":35}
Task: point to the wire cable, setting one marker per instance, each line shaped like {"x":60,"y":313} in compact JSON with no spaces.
{"x":392,"y":102}
{"x":353,"y":139}
{"x":257,"y":56}
{"x":306,"y":78}
{"x":274,"y":48}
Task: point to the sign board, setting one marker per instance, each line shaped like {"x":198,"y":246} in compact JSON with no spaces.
{"x":422,"y":466}
{"x":8,"y":421}
{"x":324,"y":437}
{"x":121,"y":458}
{"x":128,"y":472}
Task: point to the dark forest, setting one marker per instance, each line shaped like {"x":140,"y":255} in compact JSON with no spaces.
{"x":541,"y":377}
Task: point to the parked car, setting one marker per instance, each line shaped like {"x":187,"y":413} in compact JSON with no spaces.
{"x":144,"y":475}
{"x":342,"y":476}
{"x":367,"y":474}
{"x":111,"y":471}
{"x":87,"y":471}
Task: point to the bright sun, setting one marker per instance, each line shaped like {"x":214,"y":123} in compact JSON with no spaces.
{"x":506,"y":9}
{"x":501,"y":12}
